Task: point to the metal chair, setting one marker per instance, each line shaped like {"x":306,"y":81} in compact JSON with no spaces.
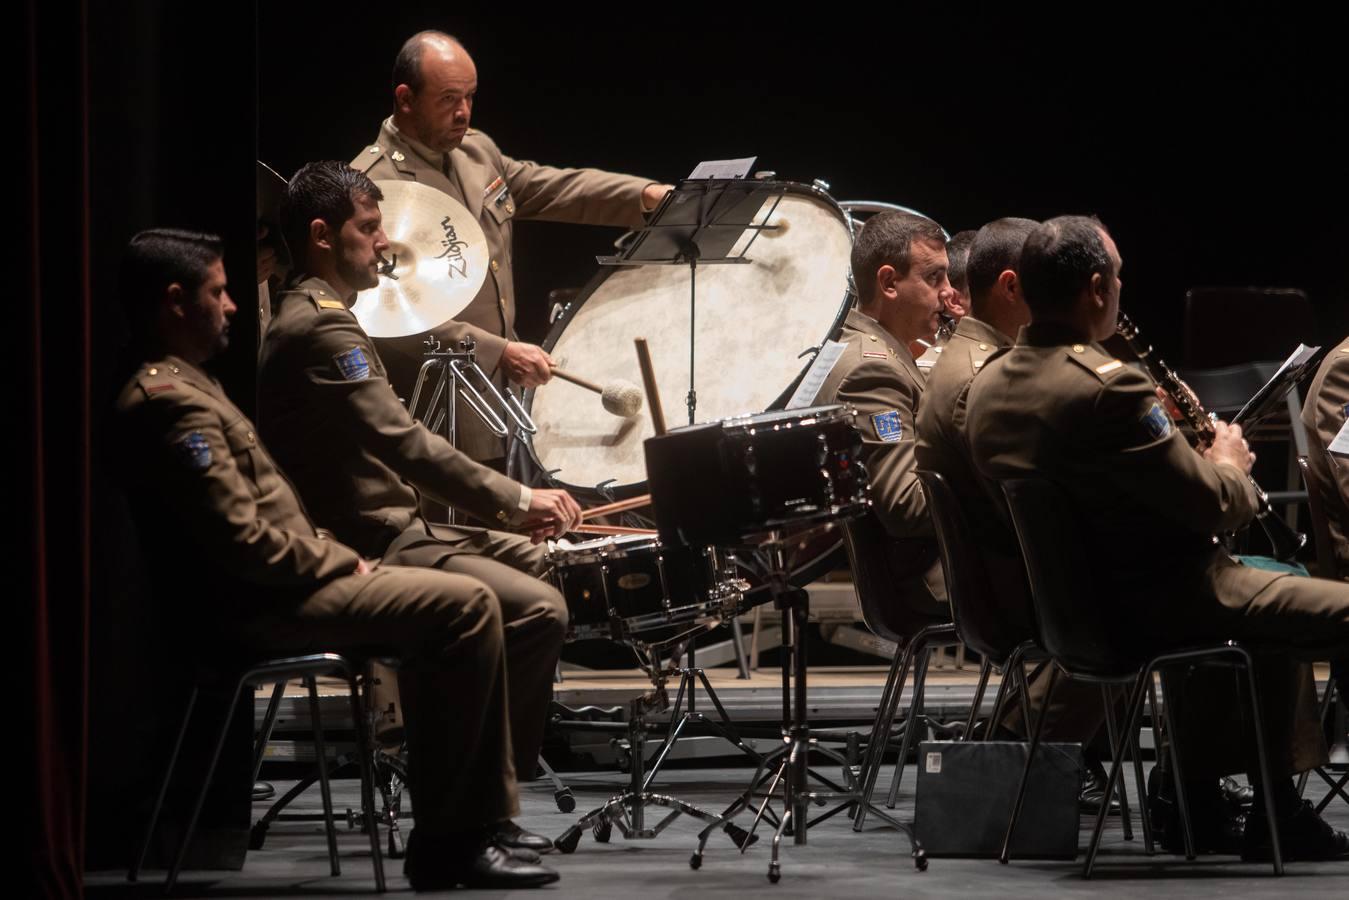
{"x":916,"y":634}
{"x":1085,"y":646}
{"x":274,"y":671}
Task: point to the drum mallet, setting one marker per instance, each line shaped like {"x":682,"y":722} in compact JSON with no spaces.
{"x":649,"y":382}
{"x":621,"y":398}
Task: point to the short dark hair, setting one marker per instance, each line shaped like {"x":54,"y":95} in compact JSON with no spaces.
{"x":325,"y":190}
{"x":1058,"y":260}
{"x":996,"y":248}
{"x":407,"y":65}
{"x":158,"y":257}
{"x":957,"y":258}
{"x":886,"y":239}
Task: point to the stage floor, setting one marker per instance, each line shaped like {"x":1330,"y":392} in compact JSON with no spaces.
{"x":836,"y":862}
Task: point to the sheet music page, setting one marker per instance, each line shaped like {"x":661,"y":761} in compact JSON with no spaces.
{"x":819,"y":370}
{"x":722,"y":168}
{"x":1299,"y":358}
{"x":1340,"y":446}
{"x":1257,"y":404}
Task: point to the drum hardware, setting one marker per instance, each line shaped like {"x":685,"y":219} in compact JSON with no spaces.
{"x":622,"y":398}
{"x":763,"y":481}
{"x":437,"y":264}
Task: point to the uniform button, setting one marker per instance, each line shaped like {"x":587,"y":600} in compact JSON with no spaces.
{"x":152,"y":371}
{"x":983,"y":346}
{"x":495,"y":265}
{"x":510,"y":208}
{"x":1078,"y":348}
{"x":174,"y":369}
{"x":872,"y":336}
{"x":321,"y":294}
{"x":374,"y":149}
{"x":251,"y":438}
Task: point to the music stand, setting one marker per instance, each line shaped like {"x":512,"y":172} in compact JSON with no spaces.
{"x":701,"y":222}
{"x":1303,"y":362}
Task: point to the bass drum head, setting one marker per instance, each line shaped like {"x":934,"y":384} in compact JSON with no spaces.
{"x":754,"y":322}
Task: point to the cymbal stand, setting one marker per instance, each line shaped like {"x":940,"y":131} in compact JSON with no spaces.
{"x":788,"y":767}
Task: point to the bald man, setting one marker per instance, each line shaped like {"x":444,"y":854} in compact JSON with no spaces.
{"x":428,"y":140}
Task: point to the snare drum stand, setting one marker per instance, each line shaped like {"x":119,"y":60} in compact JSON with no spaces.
{"x":627,"y":809}
{"x":792,"y":770}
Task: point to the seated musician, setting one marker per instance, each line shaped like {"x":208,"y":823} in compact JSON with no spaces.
{"x":1057,"y":405}
{"x":233,"y":541}
{"x":957,"y":304}
{"x":899,"y":265}
{"x":997,"y":312}
{"x":1324,"y":414}
{"x":358,"y":459}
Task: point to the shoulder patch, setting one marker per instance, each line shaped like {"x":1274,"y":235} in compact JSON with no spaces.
{"x":1156,"y":422}
{"x":158,"y":388}
{"x":873,"y":354}
{"x":329,"y":303}
{"x":1094,"y":360}
{"x":889,"y":427}
{"x":1106,"y":368}
{"x":193,"y":451}
{"x":352,"y":364}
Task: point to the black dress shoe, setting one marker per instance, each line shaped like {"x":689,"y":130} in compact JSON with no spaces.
{"x":508,"y":834}
{"x":1302,"y":836}
{"x":1236,"y":793}
{"x":263,"y":790}
{"x":1217,"y":826}
{"x":1092,"y":795}
{"x":490,"y":866}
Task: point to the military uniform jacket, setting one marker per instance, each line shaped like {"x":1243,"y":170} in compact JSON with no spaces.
{"x":197,"y":468}
{"x":496,"y":189}
{"x":1323,"y":415}
{"x":1070,"y":412}
{"x":876,"y":375}
{"x":333,"y":421}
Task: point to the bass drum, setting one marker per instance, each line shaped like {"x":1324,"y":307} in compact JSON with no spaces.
{"x":756,"y":327}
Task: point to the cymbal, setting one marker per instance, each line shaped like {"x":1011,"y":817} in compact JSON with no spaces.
{"x":439,"y":255}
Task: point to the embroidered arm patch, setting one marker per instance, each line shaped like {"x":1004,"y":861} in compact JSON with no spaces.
{"x":352,"y":364}
{"x":888,"y":425}
{"x":193,"y":451}
{"x":1156,"y":422}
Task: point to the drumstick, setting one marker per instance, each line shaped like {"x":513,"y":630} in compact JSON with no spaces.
{"x":577,"y":379}
{"x":649,"y":382}
{"x":616,"y":507}
{"x":611,"y":529}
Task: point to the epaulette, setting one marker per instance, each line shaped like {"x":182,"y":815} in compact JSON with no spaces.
{"x":366,"y":159}
{"x":1090,"y":357}
{"x":323,"y":300}
{"x":157,"y":379}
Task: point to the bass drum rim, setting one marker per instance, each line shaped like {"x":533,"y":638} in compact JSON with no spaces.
{"x":611,"y":490}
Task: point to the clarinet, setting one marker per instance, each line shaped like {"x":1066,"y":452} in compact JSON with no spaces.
{"x":1285,"y":541}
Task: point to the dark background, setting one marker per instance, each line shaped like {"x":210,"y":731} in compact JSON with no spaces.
{"x":1209,"y":146}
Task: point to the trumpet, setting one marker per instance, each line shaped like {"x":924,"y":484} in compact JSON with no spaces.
{"x":1285,"y":541}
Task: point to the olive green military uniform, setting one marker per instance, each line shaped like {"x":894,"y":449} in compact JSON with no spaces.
{"x":1077,"y":713}
{"x":877,"y":376}
{"x":1069,"y":411}
{"x":496,"y":189}
{"x":1323,"y":414}
{"x":243,"y":563}
{"x":354,"y":453}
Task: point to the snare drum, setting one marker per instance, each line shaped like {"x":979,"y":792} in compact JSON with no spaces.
{"x":632,"y":586}
{"x":727,"y":483}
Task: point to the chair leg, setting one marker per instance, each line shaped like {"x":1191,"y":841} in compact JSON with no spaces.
{"x":1326,"y":699}
{"x":1141,"y":786}
{"x":364,"y":748}
{"x":1134,"y":708}
{"x":911,"y":726}
{"x":186,"y":842}
{"x":880,"y":731}
{"x":1266,"y":785}
{"x":268,"y":723}
{"x":1182,"y":805}
{"x":139,"y":863}
{"x":325,"y":791}
{"x":1006,"y":685}
{"x":1110,"y":731}
{"x":1005,"y":855}
{"x":984,"y":670}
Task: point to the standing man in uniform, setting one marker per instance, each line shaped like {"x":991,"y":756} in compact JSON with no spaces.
{"x":428,"y":140}
{"x":1323,"y":415}
{"x":232,"y":538}
{"x":358,"y":458}
{"x":899,"y":266}
{"x":1057,"y":405}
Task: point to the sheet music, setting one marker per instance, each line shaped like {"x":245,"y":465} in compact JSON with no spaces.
{"x":1300,"y":357}
{"x":723,"y":168}
{"x":1340,"y":446}
{"x":819,"y":370}
{"x":1293,"y":367}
